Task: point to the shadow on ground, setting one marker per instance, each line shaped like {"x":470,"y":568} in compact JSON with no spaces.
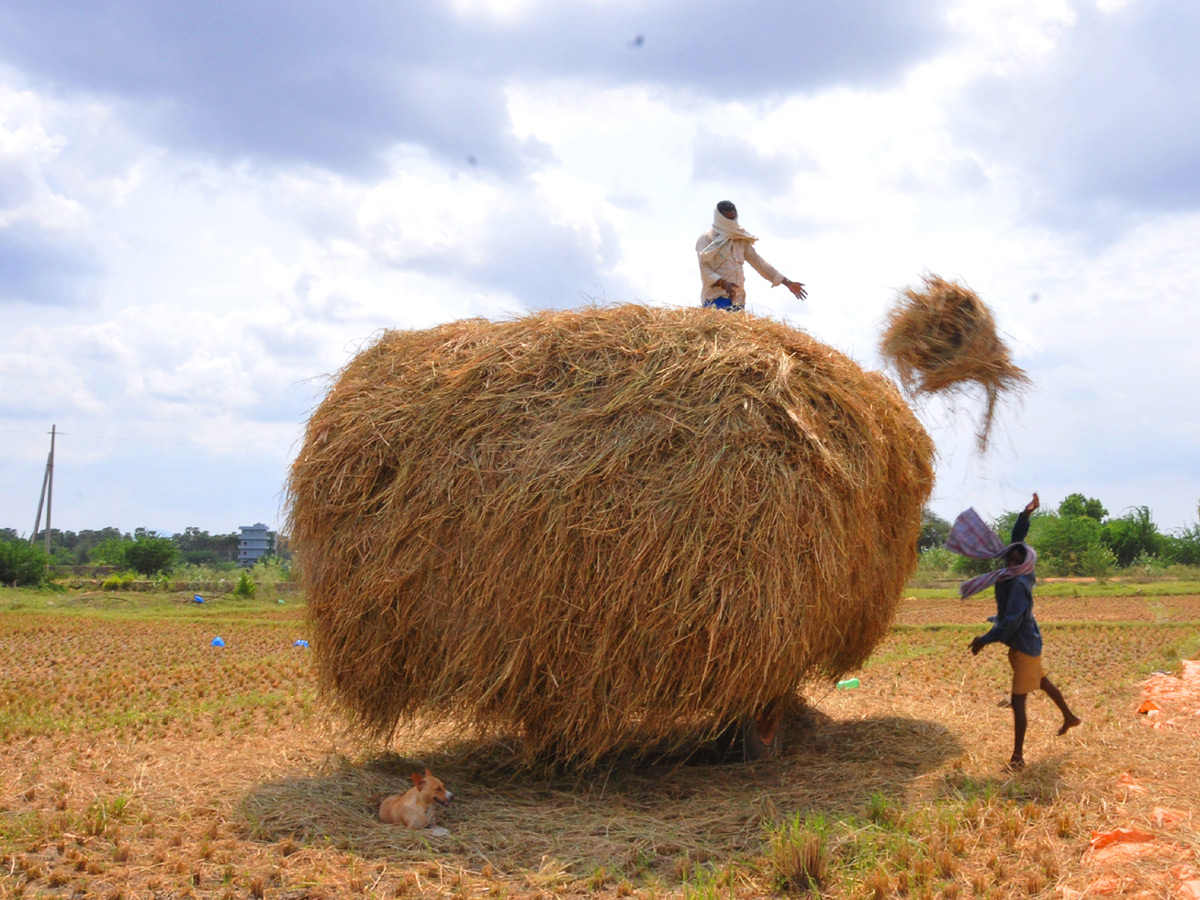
{"x":629,"y":817}
{"x":1040,"y":783}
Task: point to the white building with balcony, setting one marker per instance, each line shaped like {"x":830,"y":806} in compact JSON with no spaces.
{"x":254,"y":543}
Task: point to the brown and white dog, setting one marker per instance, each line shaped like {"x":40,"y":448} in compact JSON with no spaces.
{"x":417,"y":806}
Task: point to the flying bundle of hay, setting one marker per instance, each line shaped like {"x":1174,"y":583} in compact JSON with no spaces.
{"x":599,"y":526}
{"x":943,"y":338}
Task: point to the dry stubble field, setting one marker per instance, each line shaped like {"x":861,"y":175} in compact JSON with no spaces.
{"x":140,"y":761}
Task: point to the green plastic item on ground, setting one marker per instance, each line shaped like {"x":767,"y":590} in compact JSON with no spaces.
{"x":848,"y":683}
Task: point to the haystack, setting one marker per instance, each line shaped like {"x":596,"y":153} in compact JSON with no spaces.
{"x":943,"y":339}
{"x":595,"y":527}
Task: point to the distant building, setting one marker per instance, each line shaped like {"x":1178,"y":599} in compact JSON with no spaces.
{"x":254,"y":543}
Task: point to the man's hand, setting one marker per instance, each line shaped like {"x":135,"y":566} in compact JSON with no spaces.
{"x":796,"y":288}
{"x":727,"y":286}
{"x":976,"y":645}
{"x":1033,"y":504}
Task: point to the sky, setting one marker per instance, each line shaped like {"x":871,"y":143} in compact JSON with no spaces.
{"x":206,"y":209}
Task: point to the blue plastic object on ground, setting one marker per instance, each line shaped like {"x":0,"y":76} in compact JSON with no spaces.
{"x":300,"y":643}
{"x":199,"y":599}
{"x":218,"y":642}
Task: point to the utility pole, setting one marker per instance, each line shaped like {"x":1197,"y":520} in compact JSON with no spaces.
{"x":47,"y":494}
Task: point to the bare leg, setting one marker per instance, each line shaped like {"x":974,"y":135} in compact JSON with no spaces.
{"x":1020,"y":722}
{"x":1070,"y":720}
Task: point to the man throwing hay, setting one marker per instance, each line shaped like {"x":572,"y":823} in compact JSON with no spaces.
{"x":1013,"y":624}
{"x":722,"y":251}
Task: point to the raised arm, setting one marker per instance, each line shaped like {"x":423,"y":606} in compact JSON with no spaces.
{"x":1021,"y":526}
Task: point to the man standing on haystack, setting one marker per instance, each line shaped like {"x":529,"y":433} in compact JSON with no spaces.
{"x":1013,"y":623}
{"x":722,"y":252}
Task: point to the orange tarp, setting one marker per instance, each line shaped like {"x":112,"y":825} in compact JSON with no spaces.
{"x":1119,"y":835}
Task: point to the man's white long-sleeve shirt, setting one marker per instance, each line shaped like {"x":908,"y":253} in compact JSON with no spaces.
{"x":730,"y":269}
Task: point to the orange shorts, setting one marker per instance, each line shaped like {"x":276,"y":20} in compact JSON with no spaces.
{"x":1027,"y":671}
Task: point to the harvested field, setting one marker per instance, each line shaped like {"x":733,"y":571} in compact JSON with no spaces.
{"x":1154,"y":608}
{"x":136,"y":760}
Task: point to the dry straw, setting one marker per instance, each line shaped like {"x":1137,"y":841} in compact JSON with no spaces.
{"x":942,"y":339}
{"x":598,"y":527}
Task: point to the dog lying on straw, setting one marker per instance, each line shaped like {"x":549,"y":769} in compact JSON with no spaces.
{"x":417,"y":807}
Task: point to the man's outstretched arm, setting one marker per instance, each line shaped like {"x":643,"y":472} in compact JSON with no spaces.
{"x":769,"y":272}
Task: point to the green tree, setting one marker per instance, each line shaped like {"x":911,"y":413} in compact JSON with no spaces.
{"x":934,"y":530}
{"x":198,"y":547}
{"x":22,"y":564}
{"x":1079,"y":505}
{"x":245,"y":588}
{"x":1183,"y":547}
{"x":61,"y":544}
{"x":150,"y":554}
{"x":89,"y":539}
{"x":109,"y":552}
{"x":1132,"y":535}
{"x":1068,"y":545}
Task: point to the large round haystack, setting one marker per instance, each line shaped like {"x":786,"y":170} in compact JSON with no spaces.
{"x":942,"y":339}
{"x":595,"y":527}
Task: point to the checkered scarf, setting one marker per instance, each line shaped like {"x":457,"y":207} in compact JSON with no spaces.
{"x":969,"y":536}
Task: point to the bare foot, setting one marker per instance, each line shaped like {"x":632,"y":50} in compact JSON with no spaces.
{"x":1070,"y":723}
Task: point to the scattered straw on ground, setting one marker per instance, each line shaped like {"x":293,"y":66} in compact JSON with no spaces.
{"x":598,"y":526}
{"x":942,"y":339}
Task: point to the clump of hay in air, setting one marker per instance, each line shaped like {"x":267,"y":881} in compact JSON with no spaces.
{"x":594,"y":527}
{"x":942,"y":339}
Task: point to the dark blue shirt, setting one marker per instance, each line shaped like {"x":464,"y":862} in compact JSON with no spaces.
{"x":1014,"y":623}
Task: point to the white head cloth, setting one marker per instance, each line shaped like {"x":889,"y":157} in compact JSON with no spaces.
{"x":725,"y":231}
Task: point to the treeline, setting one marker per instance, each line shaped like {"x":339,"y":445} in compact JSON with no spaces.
{"x":106,"y":546}
{"x":1079,"y":538}
{"x":25,"y":562}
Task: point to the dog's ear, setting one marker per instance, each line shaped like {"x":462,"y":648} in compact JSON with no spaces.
{"x":428,"y":774}
{"x":417,"y":778}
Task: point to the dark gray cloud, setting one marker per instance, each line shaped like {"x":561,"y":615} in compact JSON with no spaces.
{"x":337,"y":85}
{"x":1110,"y":124}
{"x":332,"y":85}
{"x":40,"y":267}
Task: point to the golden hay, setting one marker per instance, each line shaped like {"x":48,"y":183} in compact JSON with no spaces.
{"x":941,"y":339}
{"x":598,"y":526}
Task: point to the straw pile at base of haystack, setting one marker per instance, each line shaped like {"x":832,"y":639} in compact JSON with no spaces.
{"x":942,"y":339}
{"x":595,"y":527}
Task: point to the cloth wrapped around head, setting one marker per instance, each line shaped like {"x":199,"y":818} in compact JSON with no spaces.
{"x":725,"y":231}
{"x":970,"y":536}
